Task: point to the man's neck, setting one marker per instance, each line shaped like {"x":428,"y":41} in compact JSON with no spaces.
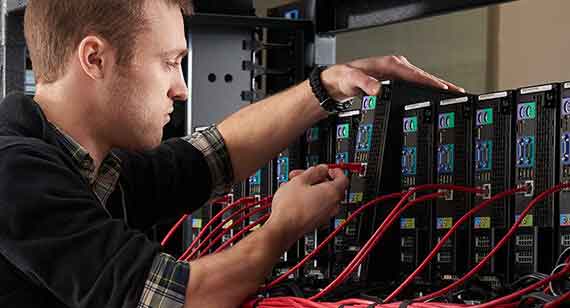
{"x":73,"y":116}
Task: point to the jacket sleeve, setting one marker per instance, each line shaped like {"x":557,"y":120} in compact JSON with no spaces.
{"x":55,"y":232}
{"x":164,"y":183}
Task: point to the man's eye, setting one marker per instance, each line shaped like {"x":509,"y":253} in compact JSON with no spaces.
{"x":172,"y":64}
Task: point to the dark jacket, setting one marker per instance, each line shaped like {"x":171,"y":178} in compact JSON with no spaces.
{"x":59,"y":247}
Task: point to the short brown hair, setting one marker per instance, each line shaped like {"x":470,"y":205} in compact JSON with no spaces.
{"x":54,"y":29}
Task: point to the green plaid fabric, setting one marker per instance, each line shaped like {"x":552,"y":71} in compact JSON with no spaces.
{"x":211,"y":143}
{"x":104,"y":182}
{"x":165,"y":286}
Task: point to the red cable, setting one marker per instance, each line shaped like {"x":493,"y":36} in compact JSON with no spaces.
{"x":173,"y":229}
{"x":183,"y":218}
{"x":350,"y":167}
{"x":440,"y":244}
{"x":390,"y":221}
{"x":205,"y":229}
{"x":512,"y":231}
{"x":237,"y":222}
{"x":353,"y":301}
{"x":348,"y":303}
{"x":559,"y":301}
{"x":242,"y":232}
{"x":223,"y":223}
{"x":499,"y":245}
{"x":364,"y":251}
{"x":536,"y":285}
{"x":330,"y":237}
{"x":513,"y":296}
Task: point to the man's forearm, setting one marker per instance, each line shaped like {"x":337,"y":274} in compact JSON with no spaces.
{"x":257,"y":133}
{"x":227,"y":278}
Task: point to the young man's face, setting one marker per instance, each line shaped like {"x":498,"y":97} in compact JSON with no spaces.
{"x":141,"y":97}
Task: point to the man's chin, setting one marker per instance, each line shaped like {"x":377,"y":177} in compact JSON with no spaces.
{"x":145,"y":144}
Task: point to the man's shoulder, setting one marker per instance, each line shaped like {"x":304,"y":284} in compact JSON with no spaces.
{"x":13,"y":147}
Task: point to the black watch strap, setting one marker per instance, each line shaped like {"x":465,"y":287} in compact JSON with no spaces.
{"x":326,"y":101}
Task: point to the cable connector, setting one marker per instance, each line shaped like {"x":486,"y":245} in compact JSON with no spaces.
{"x":357,"y":168}
{"x":487,"y":192}
{"x":223,"y":199}
{"x":231,"y":198}
{"x":447,"y":194}
{"x":529,"y":188}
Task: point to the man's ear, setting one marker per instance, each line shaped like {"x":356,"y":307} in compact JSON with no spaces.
{"x":94,"y":54}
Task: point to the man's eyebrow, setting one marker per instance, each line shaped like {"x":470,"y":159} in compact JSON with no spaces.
{"x":178,"y":53}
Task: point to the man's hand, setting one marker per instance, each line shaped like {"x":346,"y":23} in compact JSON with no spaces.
{"x":308,"y":201}
{"x":348,"y":80}
{"x":225,"y":279}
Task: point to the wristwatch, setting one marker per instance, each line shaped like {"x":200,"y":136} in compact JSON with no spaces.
{"x":326,"y":101}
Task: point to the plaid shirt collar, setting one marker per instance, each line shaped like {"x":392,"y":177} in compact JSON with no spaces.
{"x":102,"y":183}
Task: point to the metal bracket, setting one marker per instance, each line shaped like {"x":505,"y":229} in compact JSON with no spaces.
{"x":325,"y":50}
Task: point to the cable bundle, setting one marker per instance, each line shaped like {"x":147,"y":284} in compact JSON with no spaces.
{"x":562,"y":270}
{"x":510,"y":300}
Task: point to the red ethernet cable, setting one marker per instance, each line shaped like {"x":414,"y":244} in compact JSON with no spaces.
{"x":331,"y":236}
{"x":389,"y":220}
{"x":350,"y":167}
{"x":237,"y":222}
{"x":367,"y":248}
{"x":224,"y":223}
{"x":564,"y":298}
{"x":442,"y":242}
{"x":225,"y":198}
{"x":218,"y":216}
{"x":499,"y":245}
{"x":348,"y":303}
{"x":242,"y":232}
{"x":509,"y":298}
{"x":171,"y":232}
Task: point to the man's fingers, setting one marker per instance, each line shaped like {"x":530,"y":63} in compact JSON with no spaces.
{"x":293,"y":174}
{"x":339,"y":179}
{"x":367,"y":83}
{"x":400,"y":70}
{"x":315,"y":175}
{"x":452,"y":87}
{"x":394,"y":67}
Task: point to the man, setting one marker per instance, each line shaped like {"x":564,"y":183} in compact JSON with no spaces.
{"x":83,"y":170}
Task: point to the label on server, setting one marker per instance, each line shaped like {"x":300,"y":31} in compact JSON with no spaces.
{"x":407,"y":223}
{"x":564,"y":220}
{"x":536,"y":89}
{"x":528,"y":221}
{"x":410,"y":125}
{"x":446,"y":120}
{"x":313,"y":134}
{"x":565,"y":108}
{"x":489,"y":96}
{"x":343,"y":131}
{"x":369,"y":103}
{"x":196,"y":223}
{"x":526,"y":111}
{"x":482,"y":223}
{"x":484,"y":117}
{"x":444,"y":223}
